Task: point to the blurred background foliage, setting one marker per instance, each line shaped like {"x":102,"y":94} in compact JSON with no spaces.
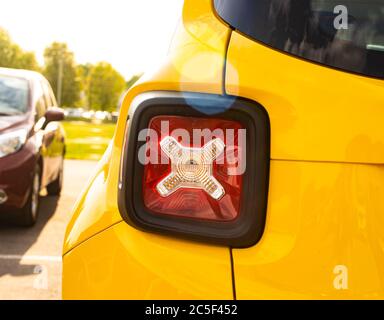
{"x":105,"y":86}
{"x":89,"y":86}
{"x":90,"y":93}
{"x":54,"y":55}
{"x":12,"y":56}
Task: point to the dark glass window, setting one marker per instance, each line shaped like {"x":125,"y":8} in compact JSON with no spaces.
{"x":41,"y":103}
{"x":347,"y":34}
{"x":14,"y":95}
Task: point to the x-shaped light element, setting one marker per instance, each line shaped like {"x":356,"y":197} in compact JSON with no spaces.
{"x":191,"y":168}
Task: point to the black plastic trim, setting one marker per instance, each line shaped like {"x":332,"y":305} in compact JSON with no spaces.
{"x":245,"y":231}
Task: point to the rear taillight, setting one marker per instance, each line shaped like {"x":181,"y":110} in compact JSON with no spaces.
{"x":193,"y":173}
{"x":196,"y":166}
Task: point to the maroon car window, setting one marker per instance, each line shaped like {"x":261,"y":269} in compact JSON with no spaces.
{"x":347,"y":35}
{"x":47,"y":94}
{"x":14,"y":95}
{"x":40,"y":107}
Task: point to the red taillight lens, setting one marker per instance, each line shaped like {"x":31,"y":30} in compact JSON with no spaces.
{"x":194,"y":168}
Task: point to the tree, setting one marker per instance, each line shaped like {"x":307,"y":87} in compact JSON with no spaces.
{"x":105,"y":87}
{"x":57,"y":56}
{"x":12,"y":56}
{"x":83,"y":72}
{"x":133,"y":80}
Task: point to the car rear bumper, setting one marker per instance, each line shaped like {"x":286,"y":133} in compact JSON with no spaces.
{"x":323,"y":240}
{"x":16,"y":172}
{"x":124,"y":263}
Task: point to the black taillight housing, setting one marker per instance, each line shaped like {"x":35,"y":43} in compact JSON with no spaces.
{"x":196,"y":166}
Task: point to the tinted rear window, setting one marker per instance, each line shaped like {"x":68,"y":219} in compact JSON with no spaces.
{"x":14,"y":94}
{"x":347,"y":34}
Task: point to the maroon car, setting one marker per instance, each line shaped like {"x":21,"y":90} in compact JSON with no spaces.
{"x":32,"y":144}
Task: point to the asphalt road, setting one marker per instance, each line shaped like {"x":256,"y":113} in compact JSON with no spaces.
{"x":30,"y":259}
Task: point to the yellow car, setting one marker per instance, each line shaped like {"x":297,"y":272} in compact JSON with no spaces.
{"x":250,"y":165}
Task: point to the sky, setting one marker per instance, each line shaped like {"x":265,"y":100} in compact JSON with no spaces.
{"x":132,"y":35}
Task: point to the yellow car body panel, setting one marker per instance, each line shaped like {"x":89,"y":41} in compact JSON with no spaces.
{"x":106,"y":259}
{"x":325,"y":208}
{"x":202,"y":35}
{"x":123,"y":263}
{"x":317,"y":113}
{"x":326,"y":182}
{"x":323,"y":238}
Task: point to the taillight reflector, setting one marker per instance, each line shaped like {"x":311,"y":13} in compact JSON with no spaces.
{"x":193,"y":172}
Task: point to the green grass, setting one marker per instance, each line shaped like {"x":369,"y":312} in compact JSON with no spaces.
{"x":87,"y":141}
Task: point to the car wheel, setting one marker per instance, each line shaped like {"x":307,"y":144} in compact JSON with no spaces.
{"x":27,"y":216}
{"x":55,"y":187}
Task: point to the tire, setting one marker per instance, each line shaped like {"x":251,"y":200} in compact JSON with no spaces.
{"x":55,"y":187}
{"x":27,"y":216}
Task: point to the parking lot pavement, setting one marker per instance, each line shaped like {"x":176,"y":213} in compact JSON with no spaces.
{"x":30,"y":259}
